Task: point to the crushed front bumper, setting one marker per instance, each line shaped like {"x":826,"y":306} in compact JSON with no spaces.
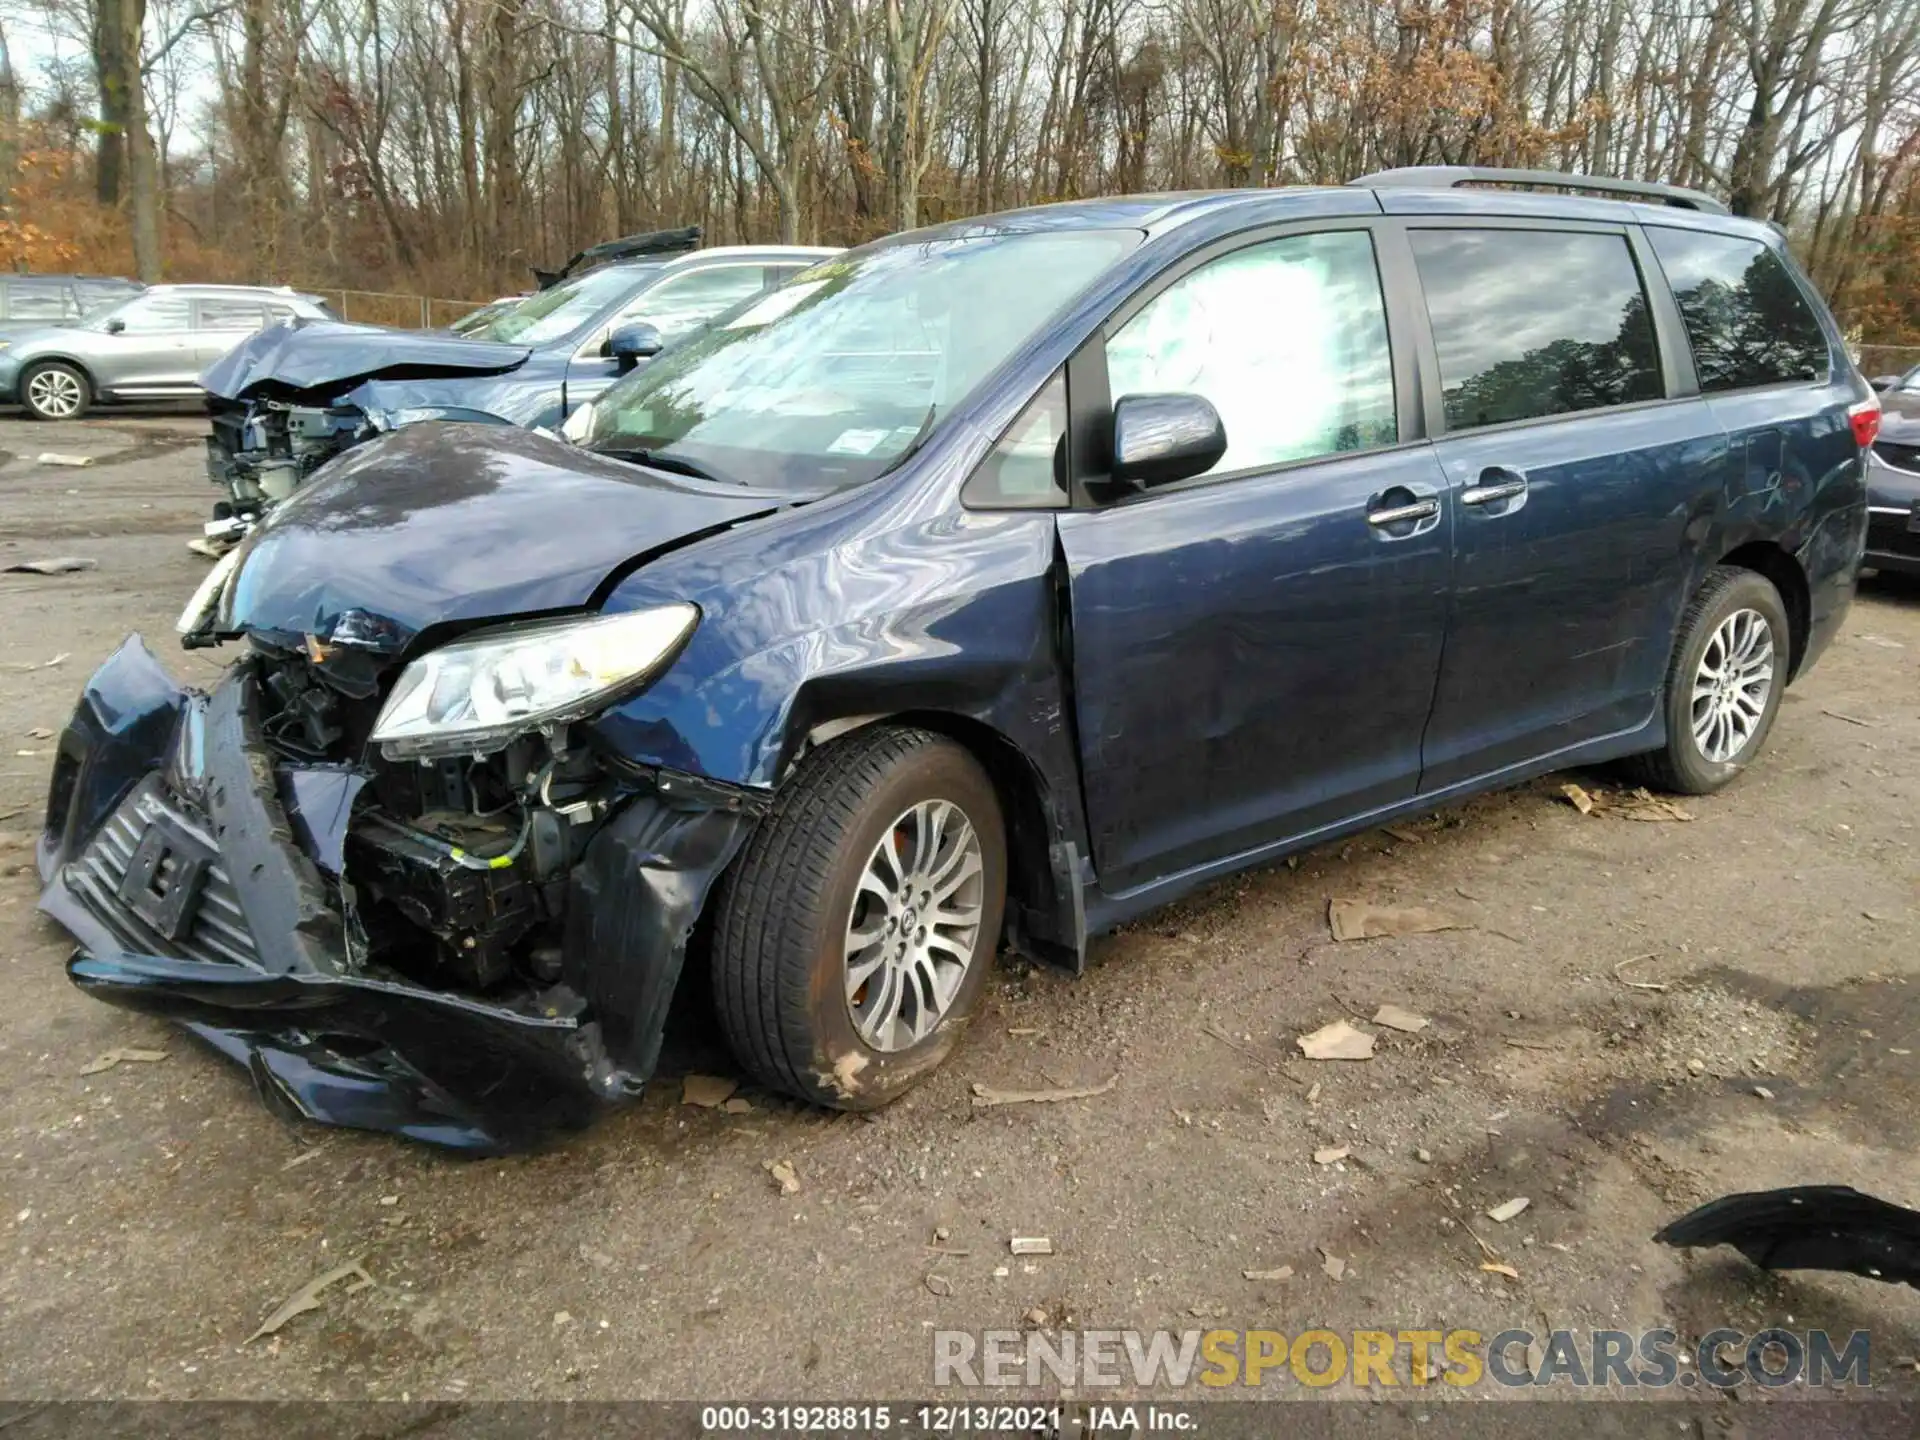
{"x":201,"y":876}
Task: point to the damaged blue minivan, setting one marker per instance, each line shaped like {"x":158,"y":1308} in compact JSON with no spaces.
{"x":985,"y":586}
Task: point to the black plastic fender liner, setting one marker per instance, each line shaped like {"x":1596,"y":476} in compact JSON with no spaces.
{"x":632,"y":904}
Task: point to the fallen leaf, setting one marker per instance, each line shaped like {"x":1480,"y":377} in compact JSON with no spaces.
{"x":1642,"y":804}
{"x":939,"y":1284}
{"x":1285,"y":1272}
{"x":1578,"y":798}
{"x":1334,"y":1266}
{"x":1363,"y":920}
{"x":1507,"y":1209}
{"x":1497,"y":1267}
{"x":1763,"y":1092}
{"x":1030,"y":1245}
{"x":706,"y":1091}
{"x":1394,"y":1018}
{"x":737,"y":1106}
{"x":1331,"y":1154}
{"x":783,"y":1175}
{"x":307,"y":1297}
{"x":1338,"y":1041}
{"x":39,"y":732}
{"x":123,"y":1055}
{"x":984,"y":1095}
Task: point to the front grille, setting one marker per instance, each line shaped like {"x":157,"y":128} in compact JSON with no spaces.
{"x":219,"y":930}
{"x":1906,"y":457}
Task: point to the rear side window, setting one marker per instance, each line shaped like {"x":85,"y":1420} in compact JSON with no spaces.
{"x":231,"y":315}
{"x":1530,"y":323}
{"x":1747,"y":319}
{"x":1287,"y":338}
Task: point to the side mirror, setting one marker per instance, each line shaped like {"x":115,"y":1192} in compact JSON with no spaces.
{"x":1884,"y":382}
{"x":630,"y":344}
{"x":1160,"y":439}
{"x":116,"y":325}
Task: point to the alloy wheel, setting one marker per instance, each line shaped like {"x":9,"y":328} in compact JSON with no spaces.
{"x":56,"y":394}
{"x":914,"y":925}
{"x":1732,"y":685}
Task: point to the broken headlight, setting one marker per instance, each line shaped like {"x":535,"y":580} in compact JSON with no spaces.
{"x":477,"y":693}
{"x":206,"y":595}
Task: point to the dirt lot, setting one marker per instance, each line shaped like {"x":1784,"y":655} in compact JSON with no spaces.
{"x":153,"y":1214}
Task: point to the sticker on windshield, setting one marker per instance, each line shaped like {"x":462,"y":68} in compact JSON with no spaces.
{"x":780,"y":302}
{"x":857,"y":442}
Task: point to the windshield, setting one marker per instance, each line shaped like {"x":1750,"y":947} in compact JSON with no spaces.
{"x":832,"y":378}
{"x":556,"y":313}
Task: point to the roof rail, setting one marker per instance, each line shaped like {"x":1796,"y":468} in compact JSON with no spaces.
{"x":1446,"y":177}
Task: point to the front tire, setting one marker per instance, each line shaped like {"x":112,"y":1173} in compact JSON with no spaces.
{"x":55,"y":390}
{"x":856,"y":932}
{"x":1724,"y":684}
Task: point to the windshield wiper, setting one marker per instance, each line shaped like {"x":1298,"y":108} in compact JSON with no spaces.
{"x":673,"y":463}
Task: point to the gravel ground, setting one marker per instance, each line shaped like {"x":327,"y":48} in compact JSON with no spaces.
{"x":1636,"y":1017}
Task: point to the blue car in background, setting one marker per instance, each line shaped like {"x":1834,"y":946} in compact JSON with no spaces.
{"x":291,"y":397}
{"x":986,"y":586}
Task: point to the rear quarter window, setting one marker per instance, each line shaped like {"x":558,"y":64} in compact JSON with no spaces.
{"x":1747,"y":320}
{"x":1531,"y":323}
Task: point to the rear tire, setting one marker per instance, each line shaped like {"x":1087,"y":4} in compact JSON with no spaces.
{"x":55,"y":390}
{"x":842,"y":971}
{"x":1724,"y":683}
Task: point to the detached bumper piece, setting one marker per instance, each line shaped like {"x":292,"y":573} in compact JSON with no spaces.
{"x":201,"y":874}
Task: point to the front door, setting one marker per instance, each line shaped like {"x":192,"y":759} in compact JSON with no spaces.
{"x":1254,"y":651}
{"x":1577,"y":486}
{"x":152,"y":352}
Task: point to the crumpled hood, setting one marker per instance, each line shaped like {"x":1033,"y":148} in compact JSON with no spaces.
{"x":457,"y":523}
{"x":303,"y":354}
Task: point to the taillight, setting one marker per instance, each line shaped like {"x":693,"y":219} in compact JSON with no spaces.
{"x":1865,"y":419}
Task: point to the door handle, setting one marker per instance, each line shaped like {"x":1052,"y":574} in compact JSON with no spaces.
{"x":1400,"y":514}
{"x":1494,"y":486}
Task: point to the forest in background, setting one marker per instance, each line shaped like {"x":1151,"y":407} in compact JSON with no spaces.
{"x":444,"y":146}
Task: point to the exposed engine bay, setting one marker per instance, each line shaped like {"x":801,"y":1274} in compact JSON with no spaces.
{"x":261,"y":450}
{"x":469,"y":854}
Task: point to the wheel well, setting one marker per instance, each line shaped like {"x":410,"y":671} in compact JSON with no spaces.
{"x":1763,"y":557}
{"x":1030,"y":871}
{"x":66,"y":360}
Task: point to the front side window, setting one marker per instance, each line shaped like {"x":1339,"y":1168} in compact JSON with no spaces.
{"x":1745,"y":316}
{"x":832,"y":379}
{"x":1529,"y":323}
{"x":1287,"y":339}
{"x":681,"y":304}
{"x":550,"y":315}
{"x":147,"y":314}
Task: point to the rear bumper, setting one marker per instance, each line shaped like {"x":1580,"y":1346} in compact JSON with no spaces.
{"x":257,"y":958}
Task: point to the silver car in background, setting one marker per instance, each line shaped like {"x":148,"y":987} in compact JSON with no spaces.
{"x":151,"y":346}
